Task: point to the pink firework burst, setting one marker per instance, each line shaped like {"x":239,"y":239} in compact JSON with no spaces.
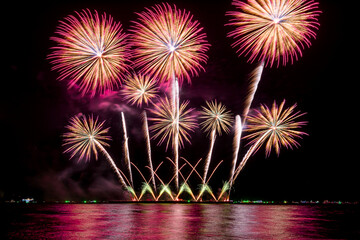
{"x":273,"y":30}
{"x":168,"y":43}
{"x":275,"y":126}
{"x":139,"y":89}
{"x":91,"y":52}
{"x":84,"y":135}
{"x":165,"y":121}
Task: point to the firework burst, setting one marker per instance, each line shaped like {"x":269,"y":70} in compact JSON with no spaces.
{"x":276,"y":126}
{"x":273,"y":29}
{"x":165,"y":122}
{"x":83,"y":135}
{"x":216,"y":117}
{"x":139,"y":89}
{"x":168,"y":42}
{"x":91,"y":52}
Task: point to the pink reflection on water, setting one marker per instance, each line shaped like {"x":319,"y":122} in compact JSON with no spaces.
{"x":274,"y":222}
{"x":171,"y":221}
{"x":179,"y":221}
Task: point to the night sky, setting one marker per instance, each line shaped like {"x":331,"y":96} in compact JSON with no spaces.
{"x":35,"y":107}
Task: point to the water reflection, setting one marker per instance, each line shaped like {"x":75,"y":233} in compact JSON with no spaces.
{"x":175,"y":221}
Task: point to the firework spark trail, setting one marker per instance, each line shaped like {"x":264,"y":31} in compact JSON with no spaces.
{"x":125,"y":178}
{"x":216,"y":119}
{"x":142,"y":175}
{"x":146,"y":187}
{"x":132,"y":191}
{"x":185,"y":186}
{"x":165,"y":187}
{"x":251,"y":150}
{"x":273,"y":30}
{"x":91,"y":52}
{"x":193,"y":167}
{"x":175,"y":107}
{"x":126,"y":149}
{"x":154,"y":174}
{"x":206,"y":187}
{"x":194,"y":170}
{"x":162,"y":184}
{"x":255,"y":78}
{"x":236,"y":146}
{"x":224,"y":189}
{"x":128,"y":187}
{"x":111,"y":161}
{"x":148,"y":146}
{"x":208,"y":157}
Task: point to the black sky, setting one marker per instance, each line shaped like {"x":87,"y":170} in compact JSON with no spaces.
{"x":35,"y":107}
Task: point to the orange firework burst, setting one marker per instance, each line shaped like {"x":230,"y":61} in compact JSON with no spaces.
{"x":273,"y":29}
{"x":216,"y":117}
{"x":276,"y":126}
{"x":91,"y":52}
{"x":139,"y":89}
{"x":84,"y":135}
{"x":165,"y":122}
{"x":168,"y":42}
